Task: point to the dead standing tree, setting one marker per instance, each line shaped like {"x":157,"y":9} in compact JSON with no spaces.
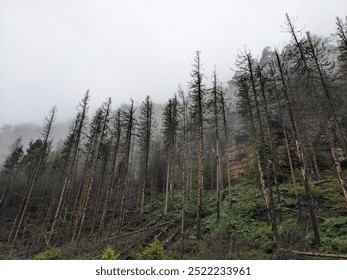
{"x":72,"y":145}
{"x":214,"y":104}
{"x":127,"y":122}
{"x":112,"y":173}
{"x":224,"y":109}
{"x":197,"y":94}
{"x":145,"y":131}
{"x":170,"y":126}
{"x":183,"y":115}
{"x":98,"y":131}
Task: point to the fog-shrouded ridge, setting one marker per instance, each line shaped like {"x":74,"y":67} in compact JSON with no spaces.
{"x":28,"y":131}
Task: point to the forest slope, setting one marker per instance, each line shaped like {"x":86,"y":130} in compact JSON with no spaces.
{"x":265,"y":179}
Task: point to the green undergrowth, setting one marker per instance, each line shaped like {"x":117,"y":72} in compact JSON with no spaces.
{"x":242,"y":232}
{"x":333,"y":235}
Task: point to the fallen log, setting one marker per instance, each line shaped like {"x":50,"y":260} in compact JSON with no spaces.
{"x":141,"y":230}
{"x":296,"y":211}
{"x":170,"y":238}
{"x":324,"y":181}
{"x":161,"y":232}
{"x":315,"y":254}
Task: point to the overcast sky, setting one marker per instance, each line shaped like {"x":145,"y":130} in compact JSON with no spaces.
{"x":51,"y":51}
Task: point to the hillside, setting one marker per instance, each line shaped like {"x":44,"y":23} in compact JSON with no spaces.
{"x":253,"y":171}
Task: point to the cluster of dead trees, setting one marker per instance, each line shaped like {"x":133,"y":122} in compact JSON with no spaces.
{"x":110,"y":167}
{"x":299,"y":92}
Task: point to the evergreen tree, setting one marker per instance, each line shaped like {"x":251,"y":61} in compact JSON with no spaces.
{"x":36,"y":161}
{"x":10,"y":166}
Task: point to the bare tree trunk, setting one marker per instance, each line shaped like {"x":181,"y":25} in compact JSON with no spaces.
{"x":226,"y":144}
{"x":295,"y":187}
{"x":124,"y":182}
{"x":104,"y":172}
{"x":197,"y":94}
{"x":167,"y":187}
{"x":108,"y":190}
{"x":200,"y":177}
{"x":185,"y":175}
{"x":215,"y":103}
{"x":145,"y":133}
{"x":271,"y":144}
{"x":314,"y":159}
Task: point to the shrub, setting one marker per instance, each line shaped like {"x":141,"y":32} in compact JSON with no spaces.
{"x":109,"y":254}
{"x":49,"y":254}
{"x":154,"y":251}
